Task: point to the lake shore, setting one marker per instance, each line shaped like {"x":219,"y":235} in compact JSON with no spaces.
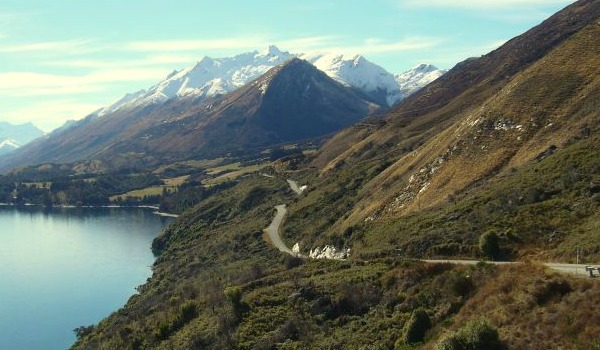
{"x":156,"y":208}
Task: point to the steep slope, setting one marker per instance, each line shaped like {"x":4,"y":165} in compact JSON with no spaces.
{"x":459,"y":141}
{"x":291,"y":102}
{"x":471,"y":82}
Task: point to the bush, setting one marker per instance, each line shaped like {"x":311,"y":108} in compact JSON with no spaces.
{"x":489,"y":245}
{"x":234,"y":295}
{"x":476,"y":335}
{"x":187,"y":312}
{"x":83,"y":331}
{"x":416,"y":327}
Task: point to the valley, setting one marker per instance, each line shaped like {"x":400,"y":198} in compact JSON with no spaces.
{"x":460,"y":215}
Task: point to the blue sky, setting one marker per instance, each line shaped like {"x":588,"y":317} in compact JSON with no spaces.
{"x":63,"y":59}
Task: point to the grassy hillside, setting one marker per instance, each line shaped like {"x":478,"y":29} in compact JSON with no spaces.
{"x":219,"y":285}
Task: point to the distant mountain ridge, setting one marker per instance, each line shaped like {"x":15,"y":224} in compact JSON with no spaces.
{"x":8,"y":145}
{"x":218,"y":76}
{"x":414,"y":79}
{"x":20,"y":133}
{"x":14,"y":136}
{"x":204,"y":84}
{"x":290,"y":102}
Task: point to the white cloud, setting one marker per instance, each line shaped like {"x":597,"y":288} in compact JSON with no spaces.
{"x":194,"y":45}
{"x":157,"y":60}
{"x":40,"y":84}
{"x":49,"y":115}
{"x":409,"y":44}
{"x":67,"y":46}
{"x":378,"y":46}
{"x":169,"y":59}
{"x":306,"y":43}
{"x":480,"y":4}
{"x":447,"y":58}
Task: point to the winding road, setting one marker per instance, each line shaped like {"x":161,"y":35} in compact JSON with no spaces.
{"x":272,"y":230}
{"x":574,"y":269}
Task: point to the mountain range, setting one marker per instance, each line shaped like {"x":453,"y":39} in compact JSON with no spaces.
{"x":14,"y":136}
{"x":192,"y":111}
{"x":218,"y":76}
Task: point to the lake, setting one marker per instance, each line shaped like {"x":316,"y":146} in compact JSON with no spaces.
{"x":67,"y":267}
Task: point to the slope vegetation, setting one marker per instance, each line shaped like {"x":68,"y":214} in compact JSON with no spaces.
{"x":488,"y":144}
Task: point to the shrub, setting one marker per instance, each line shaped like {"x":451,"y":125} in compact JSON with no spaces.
{"x":417,"y":326}
{"x":83,"y":331}
{"x":234,"y":295}
{"x":489,"y":244}
{"x":475,"y":335}
{"x":187,"y":312}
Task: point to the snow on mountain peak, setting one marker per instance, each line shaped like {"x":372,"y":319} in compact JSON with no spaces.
{"x":214,"y":76}
{"x":272,"y":50}
{"x":357,"y":71}
{"x":417,"y":77}
{"x":8,"y":145}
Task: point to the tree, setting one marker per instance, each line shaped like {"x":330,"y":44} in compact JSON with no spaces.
{"x":417,"y":326}
{"x":489,"y":244}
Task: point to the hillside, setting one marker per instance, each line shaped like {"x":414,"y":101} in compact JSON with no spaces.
{"x":496,"y":127}
{"x":498,"y":160}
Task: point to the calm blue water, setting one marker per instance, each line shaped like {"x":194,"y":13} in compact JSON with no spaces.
{"x":65,"y":268}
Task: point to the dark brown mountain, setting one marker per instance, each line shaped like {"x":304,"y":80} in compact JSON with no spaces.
{"x":291,"y":102}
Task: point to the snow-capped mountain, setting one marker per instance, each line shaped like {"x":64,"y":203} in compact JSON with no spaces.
{"x":14,"y":136}
{"x":414,"y":79}
{"x":358,"y":72}
{"x":218,"y":76}
{"x":8,"y":145}
{"x":291,"y":102}
{"x":208,"y":77}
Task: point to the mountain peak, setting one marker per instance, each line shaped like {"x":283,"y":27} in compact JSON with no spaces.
{"x":272,"y":50}
{"x":216,"y":76}
{"x":415,"y":78}
{"x":358,"y":59}
{"x":19,"y":134}
{"x":424,"y":67}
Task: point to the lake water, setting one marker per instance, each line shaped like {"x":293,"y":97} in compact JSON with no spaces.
{"x":68,"y":267}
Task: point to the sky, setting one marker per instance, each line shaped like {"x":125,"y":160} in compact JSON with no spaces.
{"x":64,"y":59}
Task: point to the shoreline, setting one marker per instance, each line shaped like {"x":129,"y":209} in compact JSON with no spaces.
{"x":155,"y":208}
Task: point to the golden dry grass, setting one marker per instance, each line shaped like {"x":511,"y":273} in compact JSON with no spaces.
{"x":236,"y":172}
